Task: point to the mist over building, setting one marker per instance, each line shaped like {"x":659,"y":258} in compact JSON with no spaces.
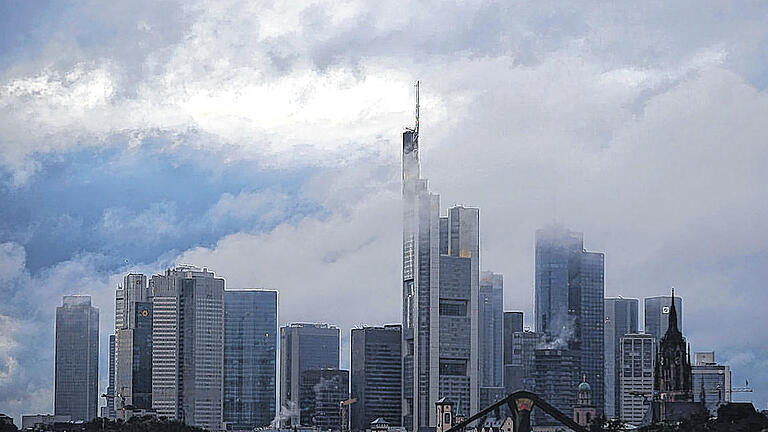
{"x":569,"y":302}
{"x":440,"y":296}
{"x":76,"y":366}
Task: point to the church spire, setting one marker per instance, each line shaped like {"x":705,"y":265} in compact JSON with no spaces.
{"x":673,"y":313}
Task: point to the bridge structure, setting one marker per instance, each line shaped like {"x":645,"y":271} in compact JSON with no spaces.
{"x":520,"y":404}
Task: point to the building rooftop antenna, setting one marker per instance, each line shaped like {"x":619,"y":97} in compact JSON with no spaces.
{"x":416,"y":128}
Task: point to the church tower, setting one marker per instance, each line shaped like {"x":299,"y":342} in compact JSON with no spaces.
{"x":672,"y":377}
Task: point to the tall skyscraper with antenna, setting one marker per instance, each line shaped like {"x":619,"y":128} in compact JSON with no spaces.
{"x":440,"y":296}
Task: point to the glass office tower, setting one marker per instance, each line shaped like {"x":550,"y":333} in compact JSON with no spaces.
{"x":250,"y":358}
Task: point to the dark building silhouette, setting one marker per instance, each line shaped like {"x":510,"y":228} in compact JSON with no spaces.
{"x":555,"y":377}
{"x":376,"y":376}
{"x":672,"y":378}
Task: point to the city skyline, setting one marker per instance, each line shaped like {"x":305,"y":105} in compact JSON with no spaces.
{"x":264,"y":142}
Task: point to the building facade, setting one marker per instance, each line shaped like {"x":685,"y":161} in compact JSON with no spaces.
{"x":637,"y":361}
{"x":570,"y":302}
{"x":656,"y":314}
{"x":376,"y":376}
{"x":303,"y":347}
{"x":620,"y":319}
{"x":555,"y":379}
{"x":520,"y":370}
{"x":711,"y":381}
{"x":440,"y":297}
{"x":491,"y":337}
{"x":133,"y":361}
{"x":188,"y":346}
{"x":111,"y":386}
{"x":76,"y":381}
{"x":250,"y":358}
{"x":322,"y":391}
{"x":133,"y":344}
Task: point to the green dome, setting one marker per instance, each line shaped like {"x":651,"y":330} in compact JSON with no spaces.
{"x":585,"y":387}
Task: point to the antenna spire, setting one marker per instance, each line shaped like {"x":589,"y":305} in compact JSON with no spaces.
{"x":416,"y":128}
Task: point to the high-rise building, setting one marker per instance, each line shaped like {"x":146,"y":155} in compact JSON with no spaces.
{"x":133,"y":344}
{"x":76,"y":390}
{"x":555,"y":378}
{"x":657,"y":315}
{"x":637,"y":361}
{"x":303,"y":346}
{"x":440,"y":297}
{"x":520,"y":368}
{"x":133,"y":361}
{"x":711,"y":381}
{"x":491,"y":337}
{"x":111,"y":387}
{"x":376,"y":376}
{"x":569,"y":302}
{"x":188,"y":346}
{"x":620,"y":319}
{"x":322,"y":391}
{"x":250,"y":358}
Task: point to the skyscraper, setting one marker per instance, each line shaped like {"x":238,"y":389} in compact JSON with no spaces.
{"x":520,"y":371}
{"x":250,"y":358}
{"x":303,"y":346}
{"x":513,"y":368}
{"x":76,"y":380}
{"x":133,"y":361}
{"x":569,"y":301}
{"x":440,"y":297}
{"x":188,"y":346}
{"x":490,"y":337}
{"x":376,"y":376}
{"x":620,"y":319}
{"x":657,"y":315}
{"x":133,"y":344}
{"x":636,"y":353}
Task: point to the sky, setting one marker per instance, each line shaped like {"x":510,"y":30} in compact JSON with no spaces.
{"x":261,"y":140}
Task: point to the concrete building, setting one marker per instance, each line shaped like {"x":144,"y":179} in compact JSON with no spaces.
{"x":188,"y":346}
{"x":637,"y":361}
{"x":711,"y":381}
{"x":440,"y":297}
{"x":376,"y":376}
{"x":656,"y":315}
{"x":76,"y":383}
{"x":250,"y":358}
{"x":303,"y":347}
{"x":322,"y":391}
{"x":569,"y":302}
{"x":620,"y":319}
{"x":491,"y":337}
{"x":556,"y":377}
